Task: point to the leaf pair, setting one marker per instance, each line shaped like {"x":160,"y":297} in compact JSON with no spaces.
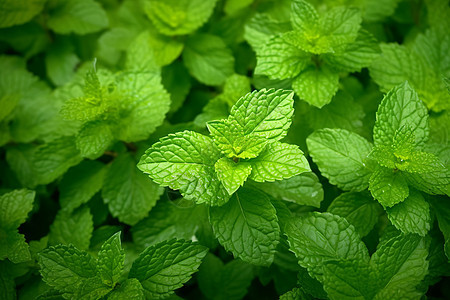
{"x":316,"y":51}
{"x":209,"y":170}
{"x":155,"y":274}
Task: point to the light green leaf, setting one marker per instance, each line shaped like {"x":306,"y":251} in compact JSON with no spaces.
{"x":341,"y":156}
{"x":411,"y":215}
{"x":15,"y":12}
{"x":166,"y":266}
{"x":185,"y":161}
{"x":72,"y":228}
{"x":401,"y":107}
{"x":422,"y":162}
{"x":230,"y":138}
{"x":66,"y":268}
{"x":401,"y":264}
{"x":128,"y":193}
{"x":77,"y":16}
{"x":278,"y":161}
{"x":92,"y":289}
{"x":265,"y":113}
{"x":384,"y":156}
{"x":359,"y":209}
{"x":94,"y":139}
{"x":80,"y":184}
{"x":388,"y":186}
{"x":312,"y":42}
{"x":130,"y":288}
{"x":232,"y":174}
{"x":303,"y":189}
{"x":317,"y":86}
{"x":278,"y":59}
{"x":179,"y":17}
{"x":208,"y":59}
{"x":110,"y":260}
{"x":321,"y":237}
{"x":145,"y":107}
{"x":247,"y":226}
{"x":303,"y":15}
{"x":356,"y":55}
{"x":435,"y":182}
{"x":342,"y":24}
{"x":219,"y":281}
{"x":261,"y":27}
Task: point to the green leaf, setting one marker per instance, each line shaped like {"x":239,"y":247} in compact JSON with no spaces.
{"x":15,"y":12}
{"x":342,"y":24}
{"x":94,"y":139}
{"x":219,"y":281}
{"x":356,"y":55}
{"x":388,"y":186}
{"x":435,"y":182}
{"x":185,"y":161}
{"x":442,"y":209}
{"x":359,"y":209}
{"x":278,"y":59}
{"x":14,"y":209}
{"x":77,"y":16}
{"x":321,"y":237}
{"x":208,"y":59}
{"x":296,"y":294}
{"x":303,"y":15}
{"x":7,"y":286}
{"x":72,"y":228}
{"x":53,"y":159}
{"x":66,"y":268}
{"x":166,"y":266}
{"x":401,"y":107}
{"x":401,"y":264}
{"x":247,"y":226}
{"x":80,"y":184}
{"x":232,"y":174}
{"x":110,"y":260}
{"x":130,"y":288}
{"x":179,"y":17}
{"x":61,"y":62}
{"x":422,"y":162}
{"x":317,"y":86}
{"x":230,"y":138}
{"x":341,"y":157}
{"x":412,"y":215}
{"x":303,"y":189}
{"x":128,"y":193}
{"x":145,"y":107}
{"x":261,"y":27}
{"x":265,"y":113}
{"x":278,"y":161}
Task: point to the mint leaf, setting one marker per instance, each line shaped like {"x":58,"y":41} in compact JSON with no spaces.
{"x":303,"y":189}
{"x":265,"y":113}
{"x":359,"y":209}
{"x":179,"y":17}
{"x":261,"y":27}
{"x":66,"y":268}
{"x":321,"y":237}
{"x":295,"y":294}
{"x":388,"y":186}
{"x":316,"y":85}
{"x":412,"y":215}
{"x":110,"y":260}
{"x":232,"y":174}
{"x":303,"y":15}
{"x":14,"y":12}
{"x":94,"y":139}
{"x":128,"y":192}
{"x":401,"y":107}
{"x":247,"y":226}
{"x":224,"y":281}
{"x":278,"y":161}
{"x":342,"y":24}
{"x":14,"y":209}
{"x":80,"y":184}
{"x":208,"y":59}
{"x":341,"y":157}
{"x":185,"y":161}
{"x":81,"y":17}
{"x":166,"y":266}
{"x":434,"y":182}
{"x":130,"y":288}
{"x":72,"y":228}
{"x":278,"y":59}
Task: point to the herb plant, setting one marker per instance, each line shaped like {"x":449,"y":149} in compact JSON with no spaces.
{"x":224,"y":149}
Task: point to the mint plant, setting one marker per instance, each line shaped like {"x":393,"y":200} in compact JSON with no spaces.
{"x":316,"y":50}
{"x":224,"y":149}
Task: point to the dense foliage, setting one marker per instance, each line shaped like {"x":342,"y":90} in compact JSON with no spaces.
{"x":224,"y":149}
